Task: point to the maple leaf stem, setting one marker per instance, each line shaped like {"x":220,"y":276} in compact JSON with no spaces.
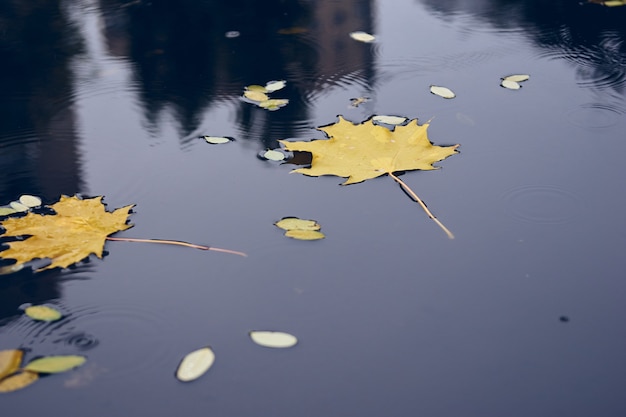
{"x":414,"y":196}
{"x":176,"y":242}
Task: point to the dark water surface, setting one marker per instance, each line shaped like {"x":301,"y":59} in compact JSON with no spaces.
{"x":521,"y":315}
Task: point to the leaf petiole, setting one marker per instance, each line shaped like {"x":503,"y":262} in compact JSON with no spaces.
{"x":175,"y":242}
{"x":414,"y":196}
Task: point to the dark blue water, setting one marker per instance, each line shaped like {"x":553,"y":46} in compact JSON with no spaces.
{"x":520,"y":315}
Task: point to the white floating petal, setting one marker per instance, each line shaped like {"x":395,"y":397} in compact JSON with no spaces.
{"x":511,"y":85}
{"x":442,"y":91}
{"x":30,"y":200}
{"x":195,"y":364}
{"x":518,"y":78}
{"x":362,"y":36}
{"x":217,"y":140}
{"x":272,"y":86}
{"x":390,"y":120}
{"x":273,"y":339}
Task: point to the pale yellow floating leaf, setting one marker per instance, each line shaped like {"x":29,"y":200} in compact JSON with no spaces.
{"x":273,"y":155}
{"x":442,"y":91}
{"x":255,"y":95}
{"x":195,"y":364}
{"x":272,"y":86}
{"x":30,"y":200}
{"x":43,"y":313}
{"x":55,"y":364}
{"x":17,"y":381}
{"x":17,"y":206}
{"x":217,"y":140}
{"x":304,"y":234}
{"x":5,"y":211}
{"x":390,"y":120}
{"x":511,"y":85}
{"x":10,"y":361}
{"x":614,"y":3}
{"x":274,"y":104}
{"x":518,"y":78}
{"x":273,"y":339}
{"x":362,"y":36}
{"x":294,"y":223}
{"x":258,"y":88}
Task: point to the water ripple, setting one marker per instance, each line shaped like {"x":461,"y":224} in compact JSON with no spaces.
{"x":595,"y":115}
{"x":543,"y":204}
{"x":128,"y":338}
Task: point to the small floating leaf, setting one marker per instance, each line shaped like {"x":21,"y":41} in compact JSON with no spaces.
{"x":362,"y":36}
{"x":355,"y":102}
{"x":255,"y":95}
{"x":195,"y":364}
{"x":55,"y":364}
{"x":30,"y":200}
{"x":17,"y":206}
{"x":442,"y":91}
{"x":518,"y":78}
{"x":511,"y":85}
{"x":5,"y":211}
{"x":17,"y":381}
{"x":258,"y":88}
{"x":273,"y":155}
{"x":272,"y":86}
{"x":274,"y":104}
{"x":304,"y":234}
{"x":43,"y":313}
{"x":10,"y":361}
{"x":273,"y":339}
{"x":294,"y":223}
{"x":390,"y":120}
{"x":217,"y":140}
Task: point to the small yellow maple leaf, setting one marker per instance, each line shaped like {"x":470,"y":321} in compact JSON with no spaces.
{"x":364,"y":151}
{"x":78,"y":229}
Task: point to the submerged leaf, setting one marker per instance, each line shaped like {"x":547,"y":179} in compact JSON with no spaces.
{"x":55,"y":364}
{"x":273,"y":339}
{"x":10,"y":361}
{"x":294,"y":223}
{"x":274,"y":104}
{"x":195,"y":364}
{"x":43,"y":313}
{"x":362,"y":36}
{"x":78,"y":229}
{"x":18,"y":381}
{"x":442,"y":91}
{"x":355,"y":102}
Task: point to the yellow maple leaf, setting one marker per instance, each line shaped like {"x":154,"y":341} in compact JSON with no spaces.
{"x":363,"y":151}
{"x":78,"y":229}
